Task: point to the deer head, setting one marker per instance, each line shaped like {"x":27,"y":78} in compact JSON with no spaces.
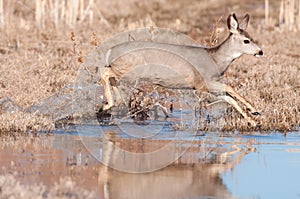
{"x":240,"y":40}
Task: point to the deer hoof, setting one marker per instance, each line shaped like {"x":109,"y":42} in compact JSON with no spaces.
{"x":103,"y":116}
{"x":256,"y":113}
{"x":106,"y":107}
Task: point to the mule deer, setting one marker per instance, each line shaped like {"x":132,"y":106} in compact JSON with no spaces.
{"x":200,"y":67}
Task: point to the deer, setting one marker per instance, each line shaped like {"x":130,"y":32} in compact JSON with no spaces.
{"x":201,"y":67}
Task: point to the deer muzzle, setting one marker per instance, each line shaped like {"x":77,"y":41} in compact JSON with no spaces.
{"x":259,"y":53}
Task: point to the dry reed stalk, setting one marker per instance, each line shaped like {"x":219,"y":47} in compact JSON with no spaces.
{"x":73,"y":12}
{"x":299,"y":15}
{"x":43,"y":5}
{"x":81,"y":8}
{"x":38,"y":14}
{"x":63,"y":11}
{"x":91,"y":17}
{"x":88,"y":11}
{"x":291,"y":11}
{"x":267,"y":12}
{"x":100,"y":15}
{"x":68,"y":13}
{"x":288,"y":15}
{"x":281,"y":14}
{"x":55,"y":13}
{"x":1,"y":14}
{"x":76,"y":11}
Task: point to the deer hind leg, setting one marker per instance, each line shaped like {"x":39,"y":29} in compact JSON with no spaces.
{"x":107,"y":74}
{"x":234,"y":94}
{"x":119,"y":98}
{"x":232,"y":102}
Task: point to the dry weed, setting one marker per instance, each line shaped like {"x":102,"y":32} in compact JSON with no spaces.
{"x":19,"y":122}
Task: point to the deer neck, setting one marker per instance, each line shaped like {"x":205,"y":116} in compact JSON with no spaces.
{"x":223,"y":55}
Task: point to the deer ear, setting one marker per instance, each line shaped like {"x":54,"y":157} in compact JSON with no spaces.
{"x":232,"y":23}
{"x":244,"y":22}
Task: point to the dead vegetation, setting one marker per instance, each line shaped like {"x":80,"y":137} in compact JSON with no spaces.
{"x":37,"y":57}
{"x":19,"y":122}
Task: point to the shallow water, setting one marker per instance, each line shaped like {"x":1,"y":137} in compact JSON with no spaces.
{"x":211,"y":165}
{"x":271,"y":172}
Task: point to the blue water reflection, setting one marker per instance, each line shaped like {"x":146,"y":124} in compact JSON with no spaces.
{"x":271,"y":172}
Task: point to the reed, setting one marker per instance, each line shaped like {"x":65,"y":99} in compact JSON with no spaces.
{"x":1,"y":15}
{"x":298,"y":15}
{"x":267,"y":12}
{"x":59,"y":13}
{"x":289,"y":15}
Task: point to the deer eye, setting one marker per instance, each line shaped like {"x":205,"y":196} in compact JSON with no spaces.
{"x":246,"y":41}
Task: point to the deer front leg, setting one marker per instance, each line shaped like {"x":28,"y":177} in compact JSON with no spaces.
{"x":234,"y":94}
{"x":232,"y":102}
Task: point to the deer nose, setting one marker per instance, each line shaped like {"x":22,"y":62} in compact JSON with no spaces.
{"x":259,"y":53}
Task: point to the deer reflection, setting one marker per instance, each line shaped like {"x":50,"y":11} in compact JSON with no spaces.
{"x":175,"y":181}
{"x":181,"y":179}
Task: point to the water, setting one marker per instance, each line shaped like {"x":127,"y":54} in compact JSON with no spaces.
{"x":271,"y":172}
{"x":212,"y":165}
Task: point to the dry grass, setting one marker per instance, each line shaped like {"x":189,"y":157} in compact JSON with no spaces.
{"x":18,"y":122}
{"x":37,"y":61}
